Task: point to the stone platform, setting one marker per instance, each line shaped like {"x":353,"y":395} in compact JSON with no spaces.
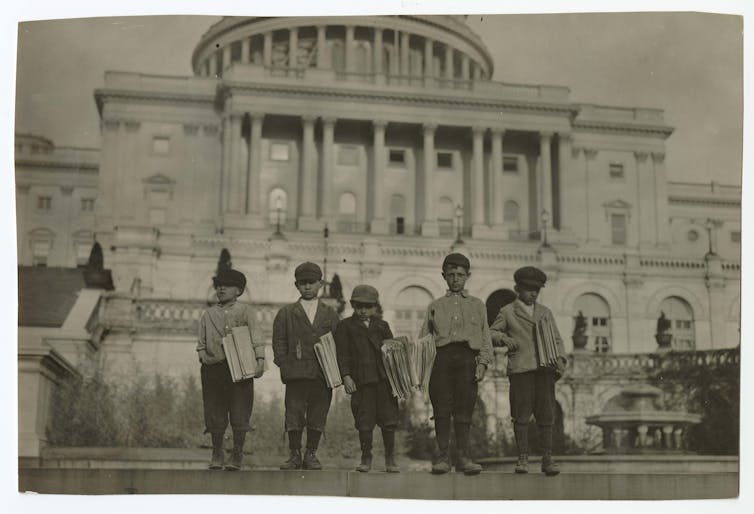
{"x":490,"y":485}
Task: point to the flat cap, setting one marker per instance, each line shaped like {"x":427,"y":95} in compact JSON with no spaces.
{"x":365,"y":294}
{"x":456,"y":259}
{"x":230,"y":277}
{"x":530,"y":276}
{"x":308,"y":271}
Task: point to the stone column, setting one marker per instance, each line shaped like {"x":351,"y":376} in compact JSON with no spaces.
{"x":428,"y":61}
{"x":430,"y":227}
{"x":213,"y":64}
{"x":226,"y":57}
{"x":404,"y":54}
{"x":477,"y":179}
{"x":348,"y":50}
{"x":465,"y":67}
{"x":308,"y":186}
{"x":267,"y":50}
{"x":496,"y":182}
{"x":225,"y":177}
{"x":565,"y":142}
{"x":328,"y":142}
{"x":645,"y":200}
{"x":545,"y":176}
{"x":321,"y":46}
{"x":293,"y":47}
{"x":449,"y":62}
{"x":245,"y":50}
{"x":253,"y":197}
{"x":378,"y":64}
{"x":718,"y":315}
{"x":379,"y":223}
{"x":661,"y":199}
{"x":477,"y":71}
{"x":238,"y":175}
{"x":592,"y":234}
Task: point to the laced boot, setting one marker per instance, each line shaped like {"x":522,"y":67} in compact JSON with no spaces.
{"x":310,"y":459}
{"x":218,"y":455}
{"x":236,"y":456}
{"x":441,"y":461}
{"x":294,"y":460}
{"x":388,"y":439}
{"x":522,"y":466}
{"x":365,"y":441}
{"x":549,"y":466}
{"x":465,"y":464}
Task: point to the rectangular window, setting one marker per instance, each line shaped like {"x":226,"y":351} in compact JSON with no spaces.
{"x":348,"y":156}
{"x":397,"y":157}
{"x":735,"y":236}
{"x":279,"y":152}
{"x":444,"y":160}
{"x":82,"y":253}
{"x":601,"y":344}
{"x":618,"y":225}
{"x":40,"y":251}
{"x":44,"y":203}
{"x":160,"y":145}
{"x":616,"y":170}
{"x":510,"y":164}
{"x":87,"y":204}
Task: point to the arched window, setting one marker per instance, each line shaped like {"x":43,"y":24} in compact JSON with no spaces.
{"x":410,"y":310}
{"x":510,"y":212}
{"x":277,"y":205}
{"x":681,"y":317}
{"x":445,"y":215}
{"x":398,"y":214}
{"x":597,"y":313}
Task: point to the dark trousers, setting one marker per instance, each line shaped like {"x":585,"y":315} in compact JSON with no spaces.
{"x":533,"y":392}
{"x":452,"y":384}
{"x":307,"y":402}
{"x":374,"y":404}
{"x":225,"y":400}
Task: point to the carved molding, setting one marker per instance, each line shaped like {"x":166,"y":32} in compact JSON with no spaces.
{"x":641,"y":156}
{"x":658,"y":157}
{"x":190,"y":129}
{"x":210,"y":130}
{"x":590,"y":153}
{"x":66,"y":190}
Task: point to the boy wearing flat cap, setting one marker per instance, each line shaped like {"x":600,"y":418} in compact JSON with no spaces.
{"x":224,"y":399}
{"x":297,"y":327}
{"x":458,"y":322}
{"x":358,"y":340}
{"x":532,"y":387}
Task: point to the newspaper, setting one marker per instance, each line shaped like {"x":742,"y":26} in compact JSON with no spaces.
{"x":324,"y":349}
{"x":547,"y":347}
{"x":408,"y":364}
{"x":239,"y":352}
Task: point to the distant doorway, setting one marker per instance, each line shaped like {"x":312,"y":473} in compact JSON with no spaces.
{"x":497,"y":301}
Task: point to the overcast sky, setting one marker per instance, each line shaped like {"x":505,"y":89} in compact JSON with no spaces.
{"x":688,"y":64}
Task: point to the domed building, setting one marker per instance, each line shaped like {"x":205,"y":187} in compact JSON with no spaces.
{"x":373,"y":145}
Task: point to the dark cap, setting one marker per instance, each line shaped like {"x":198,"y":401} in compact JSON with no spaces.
{"x":530,"y":276}
{"x":456,"y":259}
{"x":365,"y":294}
{"x":230,"y":277}
{"x":308,"y":271}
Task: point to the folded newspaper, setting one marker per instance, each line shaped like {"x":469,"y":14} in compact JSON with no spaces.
{"x":408,"y":364}
{"x":547,"y":347}
{"x":324,"y":349}
{"x":239,"y":352}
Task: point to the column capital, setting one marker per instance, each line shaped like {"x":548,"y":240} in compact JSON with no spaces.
{"x":429,"y":127}
{"x":329,"y":120}
{"x":498,"y":131}
{"x":565,"y":137}
{"x":658,"y":157}
{"x":66,"y":190}
{"x":477,"y":129}
{"x":190,"y":129}
{"x":308,"y":119}
{"x":575,"y":151}
{"x":255,"y":115}
{"x":545,"y":134}
{"x":379,"y":123}
{"x":641,"y":155}
{"x":590,"y":153}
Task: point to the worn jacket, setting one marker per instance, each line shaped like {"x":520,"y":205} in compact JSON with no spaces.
{"x":514,"y":323}
{"x":217,"y":321}
{"x":460,"y":318}
{"x":293,"y":338}
{"x":359,"y":349}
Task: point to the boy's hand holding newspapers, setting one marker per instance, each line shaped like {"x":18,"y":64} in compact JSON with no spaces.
{"x":349,"y":384}
{"x":260,"y":368}
{"x":202,"y":356}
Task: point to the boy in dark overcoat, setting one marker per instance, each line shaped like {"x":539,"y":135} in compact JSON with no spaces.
{"x":532,"y":387}
{"x":458,"y":322}
{"x":224,"y":399}
{"x":359,"y":341}
{"x":297,"y":327}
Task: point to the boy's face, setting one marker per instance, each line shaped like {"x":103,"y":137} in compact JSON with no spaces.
{"x":226,"y":293}
{"x":308,"y":288}
{"x":364,"y":311}
{"x":527,"y":294}
{"x":456,"y":277}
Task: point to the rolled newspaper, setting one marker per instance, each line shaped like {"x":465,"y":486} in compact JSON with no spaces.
{"x":324,"y":349}
{"x":408,"y":364}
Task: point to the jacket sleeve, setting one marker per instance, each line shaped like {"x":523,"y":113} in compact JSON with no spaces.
{"x":279,"y":338}
{"x":343,"y":350}
{"x":486,"y":356}
{"x":499,"y":330}
{"x":201,"y":343}
{"x":257,"y":338}
{"x":427,"y":326}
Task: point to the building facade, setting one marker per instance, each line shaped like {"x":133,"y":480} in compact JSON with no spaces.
{"x":390,"y":132}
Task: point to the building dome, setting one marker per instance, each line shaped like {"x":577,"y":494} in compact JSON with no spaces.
{"x":441,"y":46}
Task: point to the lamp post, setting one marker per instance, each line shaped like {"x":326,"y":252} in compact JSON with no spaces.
{"x":710,"y":225}
{"x":544,"y":218}
{"x":278,"y":210}
{"x":325,"y":289}
{"x":459,"y":218}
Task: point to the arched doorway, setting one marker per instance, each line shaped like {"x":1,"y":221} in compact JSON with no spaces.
{"x":496,"y":301}
{"x":410,"y":310}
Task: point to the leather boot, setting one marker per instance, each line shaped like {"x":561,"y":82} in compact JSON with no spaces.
{"x":522,"y":466}
{"x":388,"y":439}
{"x":465,"y":464}
{"x":218,"y":454}
{"x":310,"y":459}
{"x":236,"y":456}
{"x":549,"y":467}
{"x":294,"y":460}
{"x":365,"y":441}
{"x":441,"y":461}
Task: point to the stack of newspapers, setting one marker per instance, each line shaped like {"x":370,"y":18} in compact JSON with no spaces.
{"x":324,"y":349}
{"x":239,"y":352}
{"x":408,"y":364}
{"x":547,"y":348}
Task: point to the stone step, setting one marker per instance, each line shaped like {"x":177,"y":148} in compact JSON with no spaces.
{"x":489,"y":485}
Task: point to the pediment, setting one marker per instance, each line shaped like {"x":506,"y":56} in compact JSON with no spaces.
{"x":159,"y":179}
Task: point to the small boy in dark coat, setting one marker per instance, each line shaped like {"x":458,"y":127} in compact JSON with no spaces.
{"x":358,"y":340}
{"x":223,"y":398}
{"x":532,"y":387}
{"x":458,"y":322}
{"x":297,"y":327}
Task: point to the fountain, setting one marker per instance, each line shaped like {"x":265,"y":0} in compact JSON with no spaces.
{"x":632,"y":423}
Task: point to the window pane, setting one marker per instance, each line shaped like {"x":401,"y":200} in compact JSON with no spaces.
{"x":510,"y":164}
{"x":397,"y":156}
{"x":618,"y":222}
{"x":616,"y":170}
{"x":444,"y":160}
{"x":279,"y":152}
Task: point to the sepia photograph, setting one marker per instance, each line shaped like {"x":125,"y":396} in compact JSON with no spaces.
{"x":379,"y":255}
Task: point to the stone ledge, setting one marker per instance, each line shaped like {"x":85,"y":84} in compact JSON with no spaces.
{"x":411,"y":485}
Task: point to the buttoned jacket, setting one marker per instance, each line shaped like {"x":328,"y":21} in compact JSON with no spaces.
{"x":359,"y":349}
{"x":217,"y":322}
